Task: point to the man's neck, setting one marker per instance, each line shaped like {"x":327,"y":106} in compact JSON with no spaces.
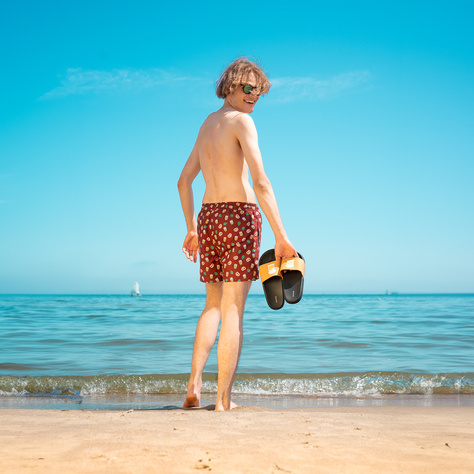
{"x":227,"y":107}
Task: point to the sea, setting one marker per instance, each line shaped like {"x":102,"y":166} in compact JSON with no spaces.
{"x":114,"y":352}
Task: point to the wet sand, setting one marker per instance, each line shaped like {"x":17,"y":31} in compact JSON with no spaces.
{"x":245,"y":440}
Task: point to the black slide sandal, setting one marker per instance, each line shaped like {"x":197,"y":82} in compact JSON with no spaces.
{"x":292,"y":270}
{"x":271,"y":279}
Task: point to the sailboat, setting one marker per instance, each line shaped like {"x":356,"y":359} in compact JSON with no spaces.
{"x":135,"y":290}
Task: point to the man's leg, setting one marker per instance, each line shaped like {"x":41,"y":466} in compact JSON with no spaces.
{"x":206,"y":332}
{"x":234,"y":296}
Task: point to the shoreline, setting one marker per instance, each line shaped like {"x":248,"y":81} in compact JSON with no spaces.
{"x":244,"y":440}
{"x":137,"y":402}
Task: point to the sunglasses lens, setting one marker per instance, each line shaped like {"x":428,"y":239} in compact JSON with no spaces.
{"x":248,"y":89}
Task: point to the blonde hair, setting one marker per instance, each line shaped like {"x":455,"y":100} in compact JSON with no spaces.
{"x":237,"y":73}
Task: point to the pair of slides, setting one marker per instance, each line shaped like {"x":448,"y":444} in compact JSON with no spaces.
{"x":281,"y":280}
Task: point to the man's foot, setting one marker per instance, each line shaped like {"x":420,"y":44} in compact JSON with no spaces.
{"x":220,"y":407}
{"x":192,"y":401}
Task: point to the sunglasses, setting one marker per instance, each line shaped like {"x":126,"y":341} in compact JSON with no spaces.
{"x":250,"y":89}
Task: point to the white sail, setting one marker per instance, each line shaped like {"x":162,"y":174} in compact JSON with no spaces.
{"x":136,"y":289}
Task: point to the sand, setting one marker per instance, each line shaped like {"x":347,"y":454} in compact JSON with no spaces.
{"x":245,"y":440}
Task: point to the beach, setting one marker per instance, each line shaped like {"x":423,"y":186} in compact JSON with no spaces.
{"x":245,"y":440}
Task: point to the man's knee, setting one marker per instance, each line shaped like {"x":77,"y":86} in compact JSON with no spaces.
{"x":235,"y":294}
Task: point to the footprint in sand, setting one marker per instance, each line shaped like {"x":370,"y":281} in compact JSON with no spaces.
{"x":203,"y":467}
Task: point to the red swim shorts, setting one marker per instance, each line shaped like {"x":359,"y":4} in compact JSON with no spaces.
{"x":229,"y":241}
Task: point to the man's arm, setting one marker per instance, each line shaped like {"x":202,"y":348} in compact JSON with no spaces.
{"x":248,"y":139}
{"x":190,"y":171}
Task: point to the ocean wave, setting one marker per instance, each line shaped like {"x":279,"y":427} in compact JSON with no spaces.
{"x":346,"y":384}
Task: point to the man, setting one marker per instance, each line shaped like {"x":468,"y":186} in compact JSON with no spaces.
{"x":228,"y":231}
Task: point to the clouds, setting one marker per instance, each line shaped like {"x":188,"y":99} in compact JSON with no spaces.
{"x":289,"y":89}
{"x":78,"y":81}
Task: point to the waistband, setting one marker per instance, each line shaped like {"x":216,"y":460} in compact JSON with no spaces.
{"x":229,"y":205}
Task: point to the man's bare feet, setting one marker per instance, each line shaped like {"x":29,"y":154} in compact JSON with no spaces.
{"x":192,"y":401}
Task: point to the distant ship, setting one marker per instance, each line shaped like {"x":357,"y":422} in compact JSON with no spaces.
{"x":135,"y":290}
{"x":394,"y":293}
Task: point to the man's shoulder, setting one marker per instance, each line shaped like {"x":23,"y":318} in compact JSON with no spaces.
{"x":245,"y":123}
{"x":234,"y":122}
{"x":212,"y":116}
{"x":240,"y":120}
{"x":232,"y":118}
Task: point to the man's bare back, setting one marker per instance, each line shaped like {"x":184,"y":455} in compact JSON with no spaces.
{"x":221,"y":158}
{"x":225,"y":151}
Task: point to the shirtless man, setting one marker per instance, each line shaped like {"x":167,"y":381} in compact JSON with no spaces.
{"x":228,"y":230}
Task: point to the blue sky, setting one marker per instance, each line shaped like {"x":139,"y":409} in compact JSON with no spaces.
{"x":366,"y":136}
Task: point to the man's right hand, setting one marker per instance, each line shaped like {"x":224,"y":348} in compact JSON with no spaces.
{"x":191,"y":246}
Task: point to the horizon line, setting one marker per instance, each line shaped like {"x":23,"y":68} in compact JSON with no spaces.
{"x":396,"y":293}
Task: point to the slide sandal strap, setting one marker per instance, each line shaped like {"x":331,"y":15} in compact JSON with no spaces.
{"x":293,"y":263}
{"x":269,"y":270}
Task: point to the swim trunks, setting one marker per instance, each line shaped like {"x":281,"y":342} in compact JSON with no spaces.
{"x":229,"y":241}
